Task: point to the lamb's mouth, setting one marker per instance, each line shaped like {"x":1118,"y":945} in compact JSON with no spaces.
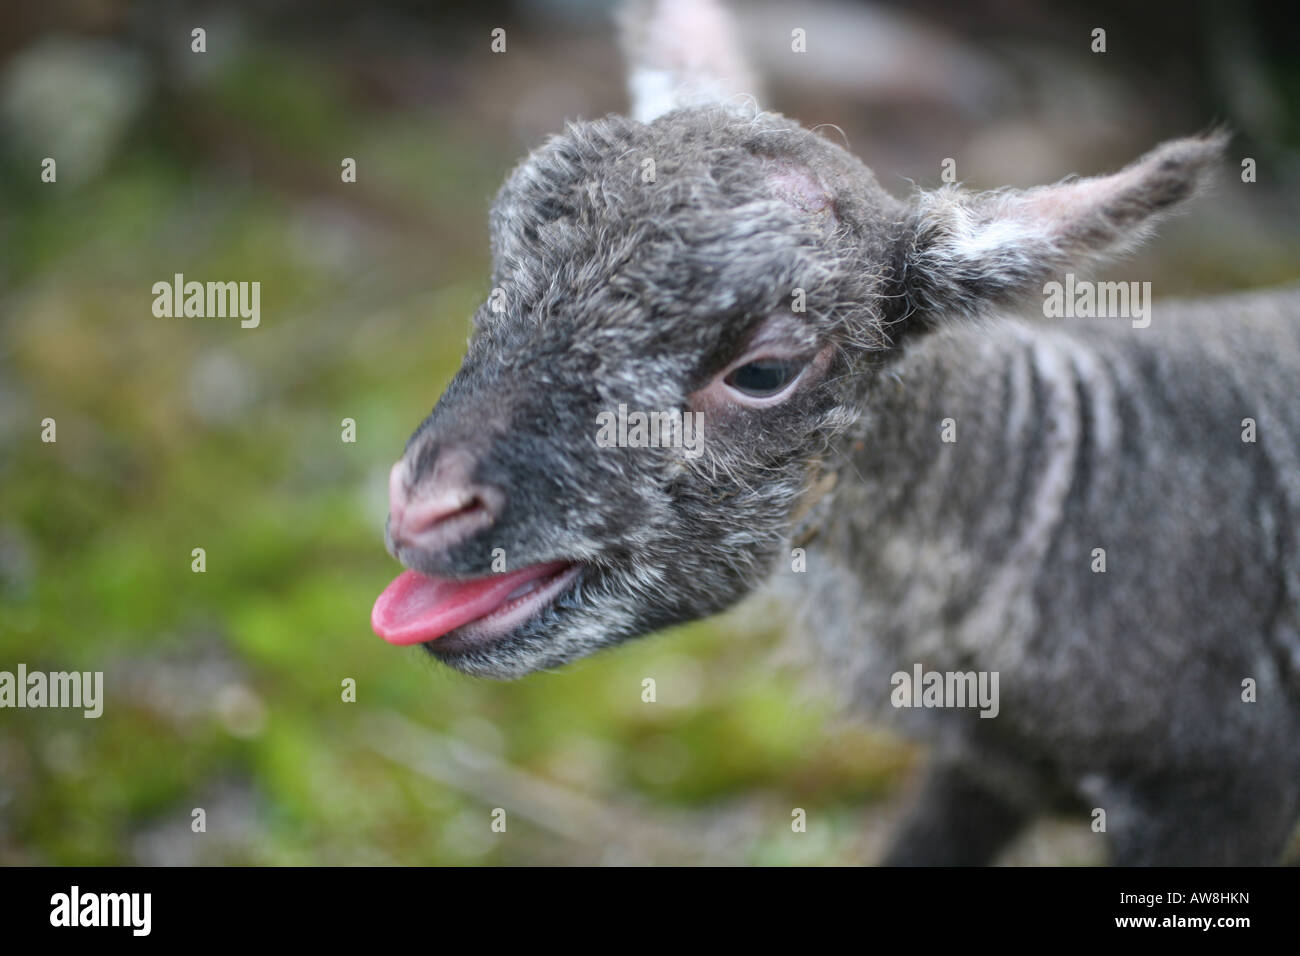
{"x":417,"y":608}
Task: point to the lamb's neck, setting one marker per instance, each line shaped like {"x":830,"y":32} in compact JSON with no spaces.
{"x":958,"y":476}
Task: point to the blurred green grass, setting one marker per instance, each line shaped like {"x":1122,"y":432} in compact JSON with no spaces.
{"x":224,"y":688}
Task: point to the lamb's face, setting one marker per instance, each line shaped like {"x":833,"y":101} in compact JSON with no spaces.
{"x":656,"y":373}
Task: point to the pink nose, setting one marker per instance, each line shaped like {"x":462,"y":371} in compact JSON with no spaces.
{"x":441,"y":509}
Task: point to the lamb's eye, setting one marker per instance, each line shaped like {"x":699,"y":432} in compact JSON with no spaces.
{"x":765,"y":377}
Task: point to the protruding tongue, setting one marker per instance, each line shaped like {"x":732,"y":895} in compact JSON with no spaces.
{"x":416,"y":608}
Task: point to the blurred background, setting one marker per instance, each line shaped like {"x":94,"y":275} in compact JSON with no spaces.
{"x":223,"y":689}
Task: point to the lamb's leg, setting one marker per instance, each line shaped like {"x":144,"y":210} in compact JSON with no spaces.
{"x":1242,"y":821}
{"x":959,"y":821}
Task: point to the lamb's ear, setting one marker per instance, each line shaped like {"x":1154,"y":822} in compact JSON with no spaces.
{"x":961,"y":252}
{"x":681,"y":53}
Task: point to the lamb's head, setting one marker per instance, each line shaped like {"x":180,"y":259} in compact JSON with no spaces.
{"x":709,"y":276}
{"x":686,"y":313}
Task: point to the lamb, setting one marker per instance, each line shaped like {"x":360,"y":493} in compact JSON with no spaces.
{"x":1098,"y":512}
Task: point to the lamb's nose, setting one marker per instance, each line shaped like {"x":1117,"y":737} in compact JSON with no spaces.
{"x":440,"y":509}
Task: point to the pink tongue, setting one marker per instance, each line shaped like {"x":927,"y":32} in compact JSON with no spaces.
{"x":416,"y":608}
